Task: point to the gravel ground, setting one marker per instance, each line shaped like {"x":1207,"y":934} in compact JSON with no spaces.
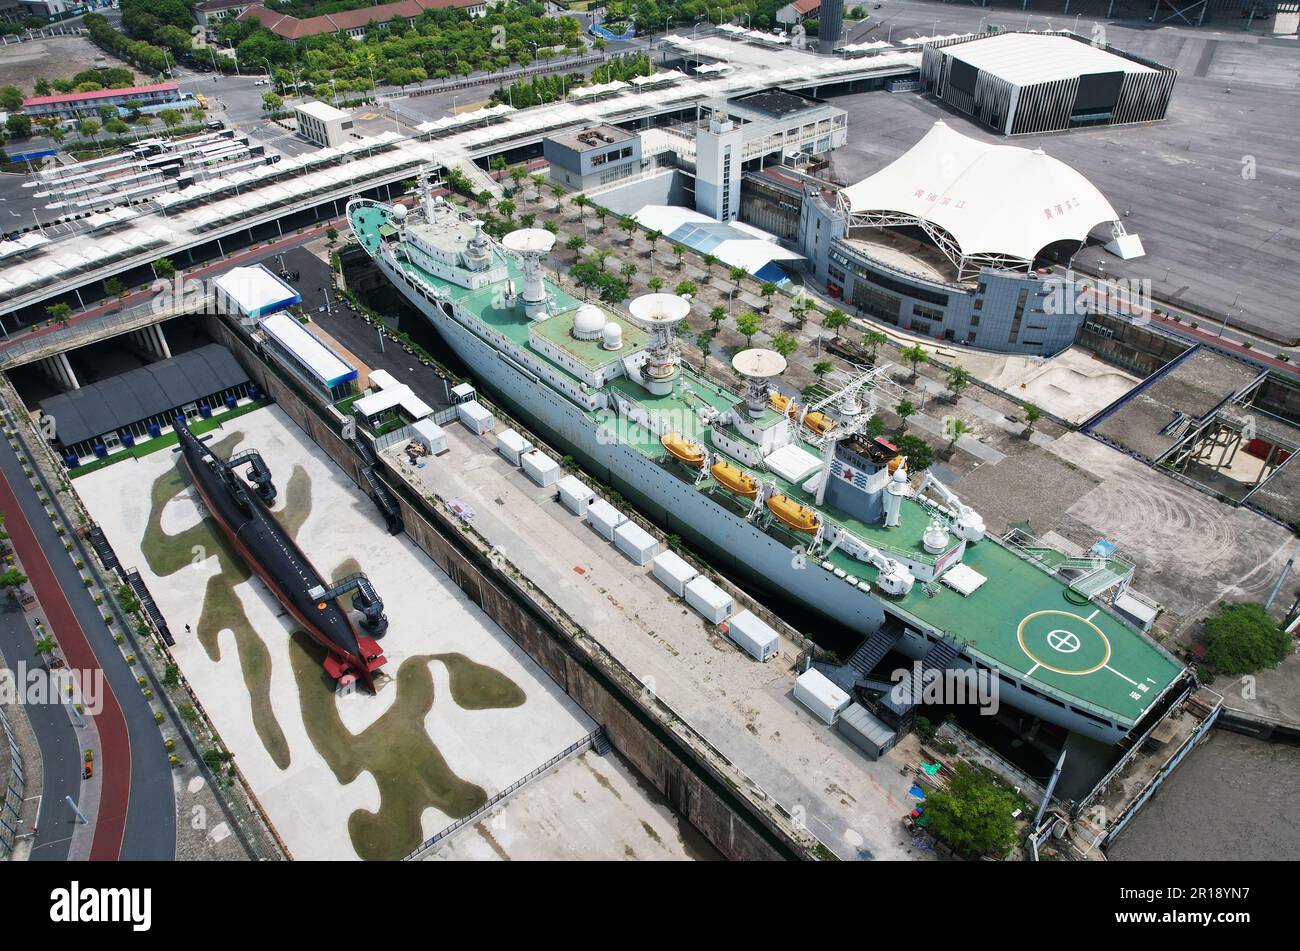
{"x":59,"y":57}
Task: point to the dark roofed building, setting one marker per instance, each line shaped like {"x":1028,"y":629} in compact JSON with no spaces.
{"x":113,"y":414}
{"x":354,"y":22}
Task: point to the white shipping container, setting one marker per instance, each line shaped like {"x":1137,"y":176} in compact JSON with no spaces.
{"x":753,"y":635}
{"x":540,"y":467}
{"x":635,"y":542}
{"x":430,"y":435}
{"x":575,"y":495}
{"x":511,"y":445}
{"x":674,"y":571}
{"x":712,"y":603}
{"x":822,"y":698}
{"x":604,"y":518}
{"x":475,"y":417}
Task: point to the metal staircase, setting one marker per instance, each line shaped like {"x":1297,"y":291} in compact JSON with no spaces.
{"x":857,"y":671}
{"x":147,"y":604}
{"x":899,"y":706}
{"x":383,"y":500}
{"x":107,"y":557}
{"x":873,"y":650}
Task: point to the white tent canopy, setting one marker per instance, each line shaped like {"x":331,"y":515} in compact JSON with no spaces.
{"x":999,"y":201}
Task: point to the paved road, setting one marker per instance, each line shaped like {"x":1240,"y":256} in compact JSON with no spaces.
{"x":55,"y":735}
{"x":137,"y":809}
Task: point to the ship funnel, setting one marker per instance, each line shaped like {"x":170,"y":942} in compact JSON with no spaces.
{"x":530,"y":245}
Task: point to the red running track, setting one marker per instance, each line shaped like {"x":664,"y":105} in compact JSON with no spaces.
{"x":114,"y":759}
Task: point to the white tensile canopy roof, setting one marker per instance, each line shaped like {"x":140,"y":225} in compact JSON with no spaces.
{"x":990,"y":201}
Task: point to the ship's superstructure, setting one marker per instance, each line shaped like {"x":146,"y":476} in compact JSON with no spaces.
{"x":245,"y":517}
{"x":781,"y":488}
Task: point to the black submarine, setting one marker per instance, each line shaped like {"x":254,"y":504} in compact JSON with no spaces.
{"x":244,"y":515}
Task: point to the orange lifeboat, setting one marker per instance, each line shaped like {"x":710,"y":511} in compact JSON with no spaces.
{"x":819,"y":423}
{"x":796,"y":516}
{"x":896,"y":462}
{"x":683,"y":450}
{"x":734,"y":479}
{"x":779,"y":402}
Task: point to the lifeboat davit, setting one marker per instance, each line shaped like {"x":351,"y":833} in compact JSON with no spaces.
{"x":683,"y":449}
{"x":734,"y":479}
{"x":819,"y":423}
{"x":796,"y":516}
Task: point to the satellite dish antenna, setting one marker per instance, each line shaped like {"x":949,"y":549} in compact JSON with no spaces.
{"x":757,"y":366}
{"x":758,"y":363}
{"x":659,"y":313}
{"x":530,"y":244}
{"x":659,"y":310}
{"x":529,"y":241}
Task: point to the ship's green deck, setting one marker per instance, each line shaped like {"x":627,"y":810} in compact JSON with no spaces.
{"x":556,"y":330}
{"x":1019,"y":620}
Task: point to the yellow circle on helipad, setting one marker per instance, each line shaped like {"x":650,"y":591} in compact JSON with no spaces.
{"x":1063,"y":637}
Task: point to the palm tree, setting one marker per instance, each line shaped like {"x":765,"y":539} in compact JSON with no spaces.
{"x":582,"y":201}
{"x":873,"y":340}
{"x":679,"y":251}
{"x":46,"y":645}
{"x":737,"y":274}
{"x":957,"y":381}
{"x":956,"y":429}
{"x":835,"y":321}
{"x":904,"y":409}
{"x":628,"y":271}
{"x":59,"y":313}
{"x":575,"y":244}
{"x":709,"y":260}
{"x":1032,"y":415}
{"x":822,"y":367}
{"x":785,"y":344}
{"x":748,"y":324}
{"x":718,"y":315}
{"x":767,"y":290}
{"x":628,"y":224}
{"x":915,"y":355}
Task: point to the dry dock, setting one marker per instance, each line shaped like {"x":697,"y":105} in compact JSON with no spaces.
{"x":743,"y":708}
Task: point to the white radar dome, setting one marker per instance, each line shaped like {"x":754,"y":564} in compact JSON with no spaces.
{"x":399,"y":212}
{"x":611,"y":338}
{"x":588,"y":322}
